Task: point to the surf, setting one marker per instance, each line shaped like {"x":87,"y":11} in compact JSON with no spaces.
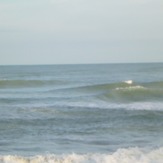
{"x":136,"y":155}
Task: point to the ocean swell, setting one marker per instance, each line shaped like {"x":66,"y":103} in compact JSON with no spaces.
{"x":20,"y":83}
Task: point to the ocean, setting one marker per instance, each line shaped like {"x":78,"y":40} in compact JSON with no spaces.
{"x":97,"y":113}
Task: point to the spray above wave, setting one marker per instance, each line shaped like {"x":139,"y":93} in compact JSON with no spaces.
{"x":129,"y":81}
{"x":135,"y":155}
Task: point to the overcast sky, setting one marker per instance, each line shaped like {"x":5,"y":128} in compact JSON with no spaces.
{"x":80,"y":31}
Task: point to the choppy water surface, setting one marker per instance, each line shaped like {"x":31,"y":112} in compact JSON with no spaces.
{"x":81,"y":113}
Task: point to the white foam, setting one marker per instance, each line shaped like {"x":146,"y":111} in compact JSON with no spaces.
{"x":128,"y":81}
{"x":131,"y":88}
{"x":135,"y":155}
{"x":144,"y":105}
{"x":155,"y":106}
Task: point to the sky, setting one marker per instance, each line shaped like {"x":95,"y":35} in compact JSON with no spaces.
{"x":80,"y":31}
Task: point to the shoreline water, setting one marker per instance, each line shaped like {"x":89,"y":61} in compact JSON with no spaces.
{"x":129,"y":155}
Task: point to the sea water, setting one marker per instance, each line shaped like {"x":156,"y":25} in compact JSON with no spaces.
{"x":104,"y":113}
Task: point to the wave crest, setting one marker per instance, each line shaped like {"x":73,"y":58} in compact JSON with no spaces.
{"x":129,"y":81}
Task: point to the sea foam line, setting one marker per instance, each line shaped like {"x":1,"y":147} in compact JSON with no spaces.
{"x":129,"y":155}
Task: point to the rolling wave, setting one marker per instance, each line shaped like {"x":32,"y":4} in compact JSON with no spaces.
{"x":118,"y":92}
{"x":5,"y":83}
{"x":129,"y":155}
{"x":27,"y":83}
{"x":88,"y":95}
{"x":126,"y":85}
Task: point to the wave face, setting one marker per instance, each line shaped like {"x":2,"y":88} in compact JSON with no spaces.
{"x":98,"y":112}
{"x":135,"y":155}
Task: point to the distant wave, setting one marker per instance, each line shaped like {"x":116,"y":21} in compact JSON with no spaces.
{"x":124,"y":92}
{"x":27,"y":83}
{"x":5,"y":83}
{"x":129,"y":155}
{"x":87,"y":95}
{"x":130,"y":85}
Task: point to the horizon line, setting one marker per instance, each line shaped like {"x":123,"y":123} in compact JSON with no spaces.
{"x":48,"y":64}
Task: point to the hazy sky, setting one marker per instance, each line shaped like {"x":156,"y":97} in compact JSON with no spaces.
{"x":80,"y":31}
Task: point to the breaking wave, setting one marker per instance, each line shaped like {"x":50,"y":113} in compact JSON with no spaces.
{"x":127,"y":91}
{"x":129,"y":155}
